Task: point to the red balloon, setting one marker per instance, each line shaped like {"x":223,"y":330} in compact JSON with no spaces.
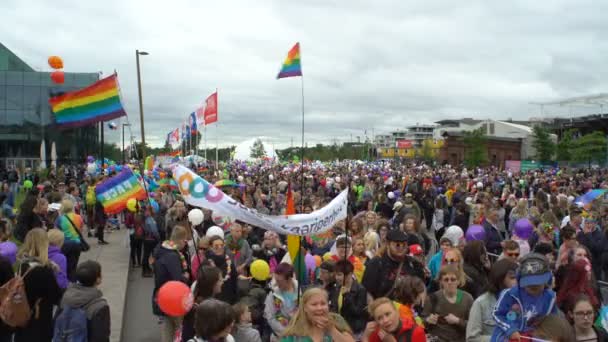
{"x":174,"y":298}
{"x":58,"y":77}
{"x":55,"y":62}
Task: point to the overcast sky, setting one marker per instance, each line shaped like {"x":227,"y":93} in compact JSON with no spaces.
{"x":378,"y":65}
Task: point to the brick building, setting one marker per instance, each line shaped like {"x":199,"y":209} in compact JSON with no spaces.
{"x":498,"y":149}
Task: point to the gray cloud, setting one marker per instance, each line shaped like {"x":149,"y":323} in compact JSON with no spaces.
{"x":382,"y":64}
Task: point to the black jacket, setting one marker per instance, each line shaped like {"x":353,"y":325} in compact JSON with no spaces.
{"x":40,"y":287}
{"x":96,"y":307}
{"x":27,"y":222}
{"x":381,"y":273}
{"x":493,"y":238}
{"x":595,"y":242}
{"x":477,"y":280}
{"x":167,"y":267}
{"x":354,"y":304}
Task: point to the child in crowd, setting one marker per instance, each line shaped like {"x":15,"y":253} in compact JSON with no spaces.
{"x":243,"y":329}
{"x":520,"y":308}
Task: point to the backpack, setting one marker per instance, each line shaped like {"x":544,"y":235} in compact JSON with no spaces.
{"x":71,"y":325}
{"x":91,"y":198}
{"x":15,"y":310}
{"x":139,"y":231}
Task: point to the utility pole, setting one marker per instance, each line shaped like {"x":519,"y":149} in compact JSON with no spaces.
{"x":141,"y":105}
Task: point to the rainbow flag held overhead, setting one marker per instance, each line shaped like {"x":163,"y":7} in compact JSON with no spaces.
{"x":97,"y":102}
{"x":116,"y":191}
{"x":291,"y":66}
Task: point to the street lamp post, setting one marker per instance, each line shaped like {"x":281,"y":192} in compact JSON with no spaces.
{"x":123,"y":140}
{"x":141,"y":104}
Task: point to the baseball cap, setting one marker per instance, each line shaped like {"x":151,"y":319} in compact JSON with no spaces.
{"x":534,"y":270}
{"x":416,"y":250}
{"x":396,"y":236}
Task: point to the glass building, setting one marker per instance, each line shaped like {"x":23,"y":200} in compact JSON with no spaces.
{"x":26,"y":119}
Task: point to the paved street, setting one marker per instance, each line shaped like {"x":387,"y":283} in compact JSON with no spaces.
{"x":114,"y":260}
{"x":139,"y":323}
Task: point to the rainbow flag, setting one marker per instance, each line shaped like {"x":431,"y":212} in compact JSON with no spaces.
{"x":97,"y":102}
{"x":291,"y":66}
{"x":116,"y":191}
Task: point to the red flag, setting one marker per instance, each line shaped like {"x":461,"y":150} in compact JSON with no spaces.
{"x":211,"y":109}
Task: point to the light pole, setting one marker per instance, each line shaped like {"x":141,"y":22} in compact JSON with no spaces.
{"x":123,"y":140}
{"x":141,"y":104}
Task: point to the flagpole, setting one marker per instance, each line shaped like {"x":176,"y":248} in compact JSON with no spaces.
{"x":302,"y":192}
{"x":217,"y":115}
{"x":205,"y":143}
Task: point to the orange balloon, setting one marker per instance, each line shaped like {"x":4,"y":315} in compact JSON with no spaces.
{"x":318,"y":260}
{"x":174,"y":298}
{"x":55,"y":62}
{"x":58,"y":77}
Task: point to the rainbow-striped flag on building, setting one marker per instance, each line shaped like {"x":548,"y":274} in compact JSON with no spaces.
{"x":292,"y":66}
{"x":97,"y":102}
{"x":116,"y":191}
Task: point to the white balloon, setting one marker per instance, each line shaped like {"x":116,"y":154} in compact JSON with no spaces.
{"x":215,"y":231}
{"x":196,"y":216}
{"x":91,"y":168}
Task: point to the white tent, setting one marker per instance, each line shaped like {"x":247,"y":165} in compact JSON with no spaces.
{"x":243,"y":150}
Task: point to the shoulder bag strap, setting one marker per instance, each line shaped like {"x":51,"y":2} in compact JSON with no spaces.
{"x":390,"y":292}
{"x":75,"y":227}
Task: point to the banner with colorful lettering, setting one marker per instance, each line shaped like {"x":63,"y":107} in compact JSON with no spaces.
{"x":198,"y":192}
{"x":114,"y":193}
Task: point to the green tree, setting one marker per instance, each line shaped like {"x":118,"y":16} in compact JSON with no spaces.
{"x":590,"y":147}
{"x":543,"y":144}
{"x":476,"y":152}
{"x":426,"y":152}
{"x":563,"y":150}
{"x":257,"y":149}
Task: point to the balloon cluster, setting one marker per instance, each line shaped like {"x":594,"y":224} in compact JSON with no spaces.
{"x":57,"y":76}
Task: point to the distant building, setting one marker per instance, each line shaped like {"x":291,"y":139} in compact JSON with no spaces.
{"x":383,"y":141}
{"x":498,"y":150}
{"x":419,"y":133}
{"x":26,"y":118}
{"x":497,"y":129}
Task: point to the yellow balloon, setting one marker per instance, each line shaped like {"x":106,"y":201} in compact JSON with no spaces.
{"x":327,"y":256}
{"x":260,"y":270}
{"x":132,"y":205}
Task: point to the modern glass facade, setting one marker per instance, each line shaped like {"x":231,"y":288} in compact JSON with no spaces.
{"x":26,"y":118}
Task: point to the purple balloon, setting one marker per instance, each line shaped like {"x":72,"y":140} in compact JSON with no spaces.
{"x":475,"y":232}
{"x":310,"y":262}
{"x":523,"y":228}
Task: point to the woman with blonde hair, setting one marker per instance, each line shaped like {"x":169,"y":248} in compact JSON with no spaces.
{"x":56,"y":239}
{"x":41,"y":288}
{"x":71,"y":224}
{"x":314,"y":322}
{"x":520,"y":211}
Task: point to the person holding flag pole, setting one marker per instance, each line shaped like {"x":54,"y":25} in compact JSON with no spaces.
{"x":292,"y":67}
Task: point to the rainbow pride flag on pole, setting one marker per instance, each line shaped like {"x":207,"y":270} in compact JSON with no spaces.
{"x":292,"y":66}
{"x":116,"y":191}
{"x":97,"y":102}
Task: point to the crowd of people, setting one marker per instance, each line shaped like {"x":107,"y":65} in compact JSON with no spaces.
{"x":427,"y":253}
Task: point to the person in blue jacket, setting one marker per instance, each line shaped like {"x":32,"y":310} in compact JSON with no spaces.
{"x":519,"y":308}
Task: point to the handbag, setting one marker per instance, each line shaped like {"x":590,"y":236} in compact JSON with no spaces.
{"x":84,"y":246}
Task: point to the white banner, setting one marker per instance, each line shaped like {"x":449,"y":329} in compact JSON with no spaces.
{"x":199,"y":193}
